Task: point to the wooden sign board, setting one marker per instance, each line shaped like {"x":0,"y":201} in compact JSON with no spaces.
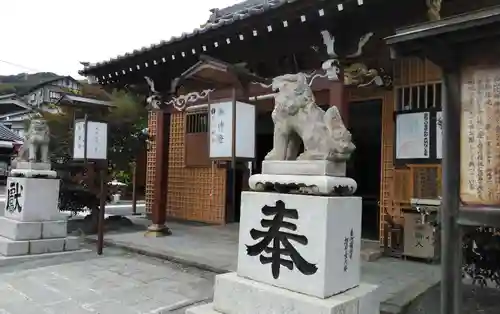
{"x":222,"y":129}
{"x":480,"y":137}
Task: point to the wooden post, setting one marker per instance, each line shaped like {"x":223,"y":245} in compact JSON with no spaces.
{"x":158,"y":227}
{"x":102,"y":209}
{"x":232,"y":215}
{"x":338,"y":96}
{"x":451,"y":234}
{"x":134,"y":188}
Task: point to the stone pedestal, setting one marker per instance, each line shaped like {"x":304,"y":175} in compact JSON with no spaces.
{"x":314,"y":177}
{"x":297,"y":254}
{"x":237,"y":295}
{"x":37,"y":199}
{"x":32,"y":223}
{"x":304,"y":167}
{"x":330,"y":228}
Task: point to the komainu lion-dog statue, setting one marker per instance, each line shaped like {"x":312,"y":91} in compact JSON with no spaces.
{"x":36,"y":141}
{"x":296,"y":117}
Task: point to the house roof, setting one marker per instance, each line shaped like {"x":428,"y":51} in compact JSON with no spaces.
{"x":12,"y":102}
{"x":218,"y":19}
{"x":231,"y":25}
{"x":8,"y":96}
{"x":85,"y":102}
{"x":52,"y":80}
{"x":15,"y":116}
{"x":7,"y":135}
{"x":461,"y":22}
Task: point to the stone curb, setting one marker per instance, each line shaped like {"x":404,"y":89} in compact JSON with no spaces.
{"x":60,"y":257}
{"x":164,"y":256}
{"x":400,"y":302}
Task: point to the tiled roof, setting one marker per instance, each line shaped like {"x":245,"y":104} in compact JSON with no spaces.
{"x":88,"y":101}
{"x":219,"y":18}
{"x":462,"y":21}
{"x":7,"y":135}
{"x":31,"y":88}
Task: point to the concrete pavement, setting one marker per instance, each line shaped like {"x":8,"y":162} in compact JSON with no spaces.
{"x":116,"y":282}
{"x":214,"y":248}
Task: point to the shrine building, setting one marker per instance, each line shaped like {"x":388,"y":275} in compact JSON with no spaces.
{"x":238,"y":51}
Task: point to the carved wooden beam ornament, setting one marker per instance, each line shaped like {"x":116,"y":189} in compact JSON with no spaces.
{"x":159,"y":101}
{"x":329,"y":42}
{"x":434,"y":9}
{"x":356,"y":74}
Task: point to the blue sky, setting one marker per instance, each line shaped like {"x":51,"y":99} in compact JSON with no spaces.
{"x":54,"y":35}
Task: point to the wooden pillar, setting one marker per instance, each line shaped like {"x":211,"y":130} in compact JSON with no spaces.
{"x":451,"y":234}
{"x":338,"y":97}
{"x":158,"y":228}
{"x":236,"y":95}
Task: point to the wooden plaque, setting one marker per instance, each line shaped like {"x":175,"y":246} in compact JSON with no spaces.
{"x":480,"y":137}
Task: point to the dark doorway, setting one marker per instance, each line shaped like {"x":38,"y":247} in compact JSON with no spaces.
{"x":264,"y":139}
{"x":365,"y":124}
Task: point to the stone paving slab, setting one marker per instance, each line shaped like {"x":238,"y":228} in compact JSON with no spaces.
{"x":214,"y":248}
{"x":116,"y":282}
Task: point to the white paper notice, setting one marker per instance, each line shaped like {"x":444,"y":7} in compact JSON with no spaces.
{"x":97,"y":140}
{"x":412,"y":135}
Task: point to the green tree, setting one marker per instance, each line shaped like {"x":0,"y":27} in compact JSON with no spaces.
{"x":126,"y":124}
{"x":127,"y":121}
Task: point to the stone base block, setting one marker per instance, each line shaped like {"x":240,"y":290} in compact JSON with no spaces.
{"x":19,"y":230}
{"x":54,"y":229}
{"x":33,"y":165}
{"x":32,"y":173}
{"x":13,"y":248}
{"x":157,"y":231}
{"x":47,"y":246}
{"x":202,"y":309}
{"x":307,"y":244}
{"x":32,"y":199}
{"x":304,"y":167}
{"x":236,"y":295}
{"x":315,"y":185}
{"x":10,"y":247}
{"x":71,"y":244}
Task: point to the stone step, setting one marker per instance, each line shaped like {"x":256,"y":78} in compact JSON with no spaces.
{"x":10,"y":247}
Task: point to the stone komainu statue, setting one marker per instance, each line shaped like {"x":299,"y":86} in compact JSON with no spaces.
{"x":297,"y":117}
{"x":36,"y":142}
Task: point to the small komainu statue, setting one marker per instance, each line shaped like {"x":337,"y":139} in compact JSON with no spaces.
{"x":297,"y":117}
{"x":36,"y":142}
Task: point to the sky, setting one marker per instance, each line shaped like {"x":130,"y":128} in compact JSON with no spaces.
{"x":55,"y":35}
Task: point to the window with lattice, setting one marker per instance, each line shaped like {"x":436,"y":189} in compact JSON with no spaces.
{"x":197,"y":122}
{"x":196,"y":140}
{"x":419,"y":97}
